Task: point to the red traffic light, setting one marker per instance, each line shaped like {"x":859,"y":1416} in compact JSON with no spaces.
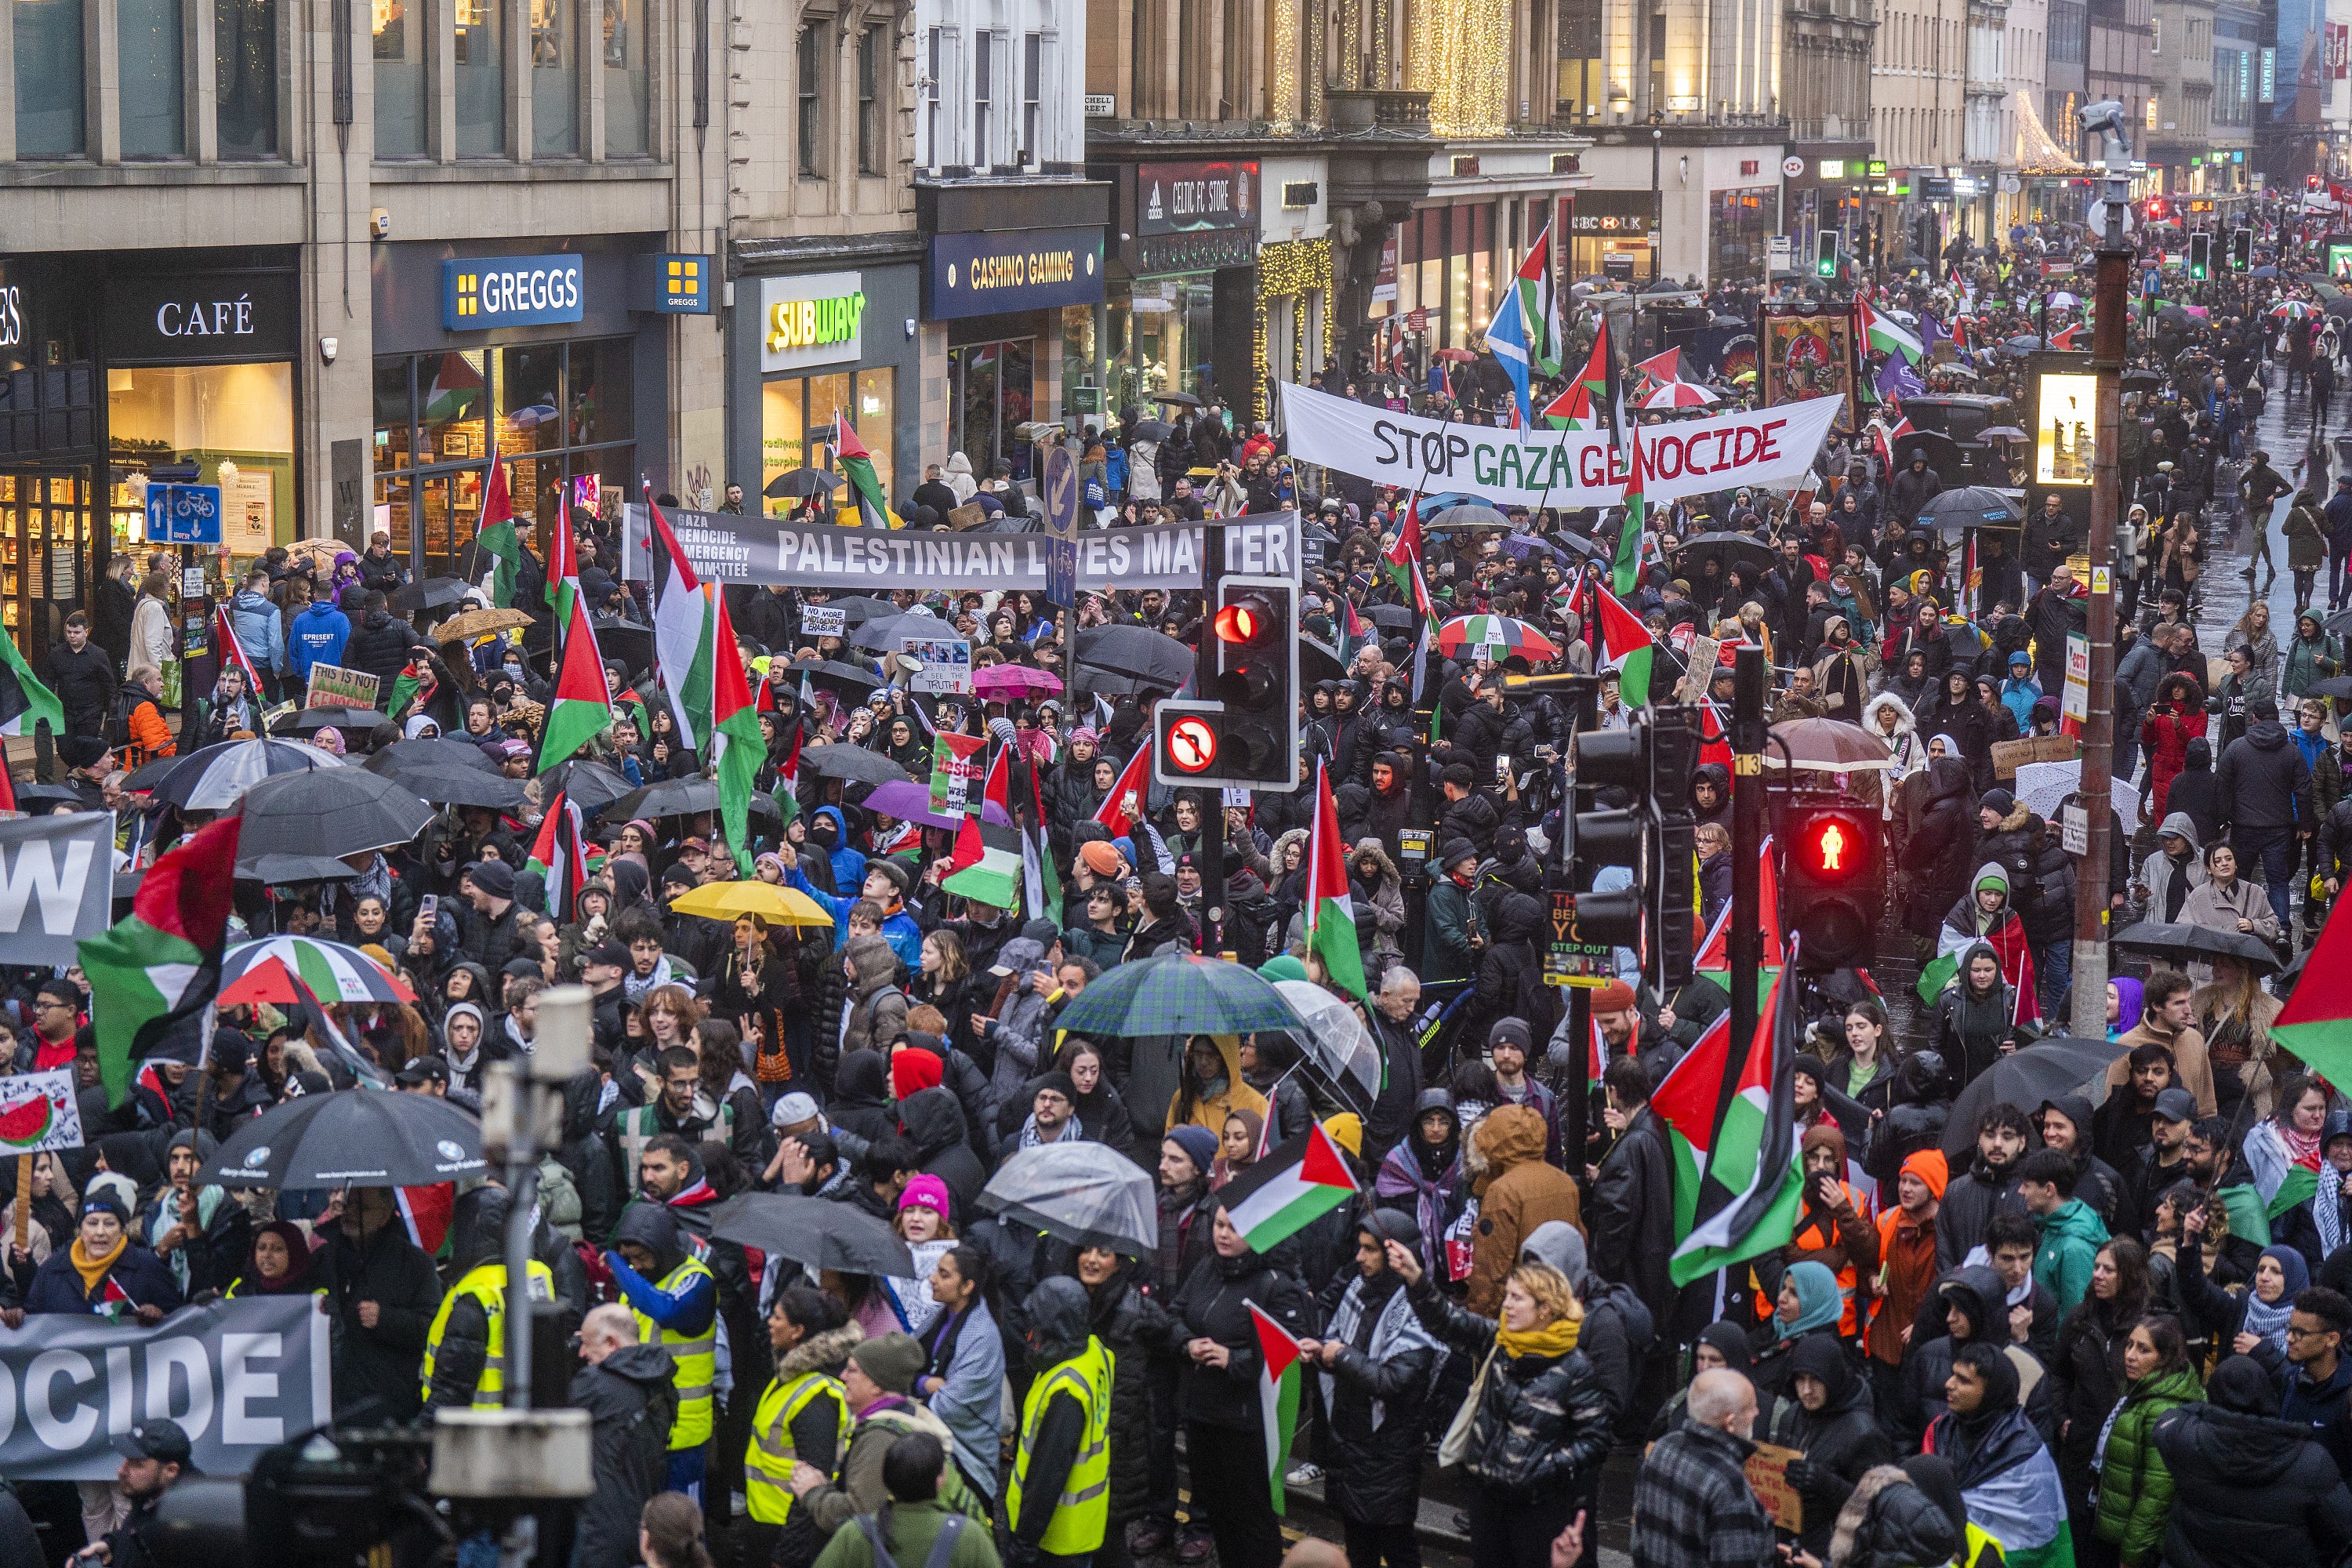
{"x":2155,"y":208}
{"x":1239,"y":622}
{"x":1830,"y":849}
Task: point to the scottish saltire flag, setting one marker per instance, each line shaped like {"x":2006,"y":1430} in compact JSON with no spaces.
{"x":1508,"y":339}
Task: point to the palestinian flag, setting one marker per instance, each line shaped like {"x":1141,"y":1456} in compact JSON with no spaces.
{"x":159,"y":969}
{"x":427,"y":1212}
{"x":952,"y":758}
{"x":582,"y":708}
{"x":1134,"y":779}
{"x":562,"y":572}
{"x":1625,"y":570}
{"x":1888,"y":335}
{"x":1330,"y":911}
{"x":1738,"y":1183}
{"x":1579,"y":408}
{"x":1539,"y":306}
{"x":557,"y":854}
{"x":1298,"y":1182}
{"x":415,"y":677}
{"x":1403,"y":557}
{"x":114,"y":1304}
{"x":2284,"y":1182}
{"x":682,"y":633}
{"x":737,"y":747}
{"x":857,"y":467}
{"x":1039,"y":876}
{"x":24,"y":701}
{"x":1278,"y":1381}
{"x":1714,"y":951}
{"x":315,"y":1022}
{"x":1626,"y":646}
{"x":2316,"y":1022}
{"x":2065,"y":337}
{"x":1352,"y":633}
{"x":457,"y":387}
{"x":497,"y":537}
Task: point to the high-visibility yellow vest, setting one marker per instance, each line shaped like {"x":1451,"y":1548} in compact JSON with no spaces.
{"x":486,"y":1283}
{"x":1082,"y":1513}
{"x":697,"y":1356}
{"x":767,"y":1462}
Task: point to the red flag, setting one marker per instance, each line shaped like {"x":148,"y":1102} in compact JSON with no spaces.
{"x":225,"y":634}
{"x":1135,"y":778}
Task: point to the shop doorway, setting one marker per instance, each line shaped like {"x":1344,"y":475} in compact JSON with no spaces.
{"x":992,"y":392}
{"x":44,"y":539}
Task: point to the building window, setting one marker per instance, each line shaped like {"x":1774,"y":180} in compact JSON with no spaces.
{"x":482,"y":79}
{"x":245,"y":67}
{"x":1033,"y":52}
{"x":812,"y":125}
{"x":867,"y":400}
{"x":932,"y":53}
{"x":870,"y":44}
{"x":984,"y":61}
{"x":51,"y":107}
{"x":628,"y":97}
{"x":400,"y":46}
{"x":151,"y":75}
{"x":554,"y":80}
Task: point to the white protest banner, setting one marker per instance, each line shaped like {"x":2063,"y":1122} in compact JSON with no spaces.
{"x":824,"y":621}
{"x":2074,"y":702}
{"x":57,"y":884}
{"x":240,"y":1376}
{"x":38,"y":1113}
{"x":1514,"y":467}
{"x":946,"y":664}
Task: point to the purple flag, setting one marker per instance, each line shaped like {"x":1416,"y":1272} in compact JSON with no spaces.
{"x":1897,"y":380}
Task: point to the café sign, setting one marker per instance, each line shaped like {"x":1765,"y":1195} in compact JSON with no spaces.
{"x":1016,"y":270}
{"x":810,"y":321}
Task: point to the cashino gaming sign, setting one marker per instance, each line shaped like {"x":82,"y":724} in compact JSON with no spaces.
{"x":1016,"y":270}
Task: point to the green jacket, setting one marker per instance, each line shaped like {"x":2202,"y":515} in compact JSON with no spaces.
{"x":1445,"y":952}
{"x":2071,"y":1239}
{"x":913,"y":1527}
{"x":2135,"y":1488}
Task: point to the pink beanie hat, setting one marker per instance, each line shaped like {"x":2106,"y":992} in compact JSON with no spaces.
{"x":926,"y":1191}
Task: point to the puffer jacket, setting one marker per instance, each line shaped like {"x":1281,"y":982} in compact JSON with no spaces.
{"x":1890,"y":1523}
{"x":631,"y":1398}
{"x":1517,"y":1193}
{"x":260,"y":630}
{"x":1214,"y":1303}
{"x":1542,"y":1421}
{"x":2248,"y":1492}
{"x":877,"y":1018}
{"x":1130,"y":1324}
{"x":2135,"y":1485}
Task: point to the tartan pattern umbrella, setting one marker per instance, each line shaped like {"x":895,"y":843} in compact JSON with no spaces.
{"x":1500,"y":632}
{"x":256,"y":972}
{"x":1179,"y":993}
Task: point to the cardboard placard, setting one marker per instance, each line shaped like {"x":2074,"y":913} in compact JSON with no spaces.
{"x":824,"y":621}
{"x":1704,"y":655}
{"x":1768,"y":1478}
{"x":2008,"y":756}
{"x":967,"y":517}
{"x":332,"y":685}
{"x":946,"y":664}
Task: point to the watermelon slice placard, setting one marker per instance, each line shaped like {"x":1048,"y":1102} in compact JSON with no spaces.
{"x":38,"y":1112}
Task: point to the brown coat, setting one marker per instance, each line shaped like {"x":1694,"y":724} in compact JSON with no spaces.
{"x":1517,"y":1193}
{"x":2189,"y":1064}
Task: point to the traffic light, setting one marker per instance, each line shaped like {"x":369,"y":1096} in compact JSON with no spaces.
{"x":1243,"y":732}
{"x":1834,"y":884}
{"x":1826,"y":253}
{"x":2200,"y":257}
{"x":1655,"y":837}
{"x":2241,"y":250}
{"x":2156,"y":210}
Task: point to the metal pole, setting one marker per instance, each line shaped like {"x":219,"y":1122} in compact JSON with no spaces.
{"x":1204,"y":681}
{"x":1577,"y":1104}
{"x":1747,"y":936}
{"x":2109,"y":296}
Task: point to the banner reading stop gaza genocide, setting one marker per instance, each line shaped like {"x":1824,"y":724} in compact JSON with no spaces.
{"x":240,"y":1376}
{"x":726,"y":548}
{"x":1555,"y":467}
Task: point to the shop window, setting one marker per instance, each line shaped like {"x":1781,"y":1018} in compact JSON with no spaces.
{"x":482,"y":79}
{"x":627,"y":85}
{"x":792,"y":407}
{"x":874,"y":418}
{"x":991,"y":389}
{"x":394,"y":435}
{"x":603,"y":392}
{"x":870,"y":46}
{"x":400,"y":47}
{"x":931,"y":99}
{"x":235,"y":421}
{"x":245,"y":71}
{"x":395,"y":513}
{"x":51,"y":107}
{"x":784,"y":426}
{"x":151,"y":75}
{"x":554,"y":80}
{"x":811,"y":121}
{"x":983,"y":68}
{"x":530,"y":398}
{"x":450,"y":406}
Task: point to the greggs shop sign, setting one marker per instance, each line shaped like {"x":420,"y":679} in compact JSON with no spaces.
{"x":1012,"y":269}
{"x":478,"y":293}
{"x":813,"y":319}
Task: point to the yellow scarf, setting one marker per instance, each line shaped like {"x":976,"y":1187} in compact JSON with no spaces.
{"x":91,"y":1271}
{"x":1556,"y":1338}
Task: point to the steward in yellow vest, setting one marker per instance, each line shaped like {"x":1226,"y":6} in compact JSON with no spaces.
{"x":467,"y":1348}
{"x":676,"y":1301}
{"x":802,"y":1418}
{"x":1058,"y":1501}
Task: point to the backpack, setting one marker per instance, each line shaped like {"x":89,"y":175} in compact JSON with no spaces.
{"x":116,"y":729}
{"x":942,"y":1544}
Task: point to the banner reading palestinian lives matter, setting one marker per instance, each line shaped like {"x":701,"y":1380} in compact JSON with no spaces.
{"x":238,"y":1375}
{"x":1514,"y":467}
{"x":57,"y":884}
{"x":726,"y":548}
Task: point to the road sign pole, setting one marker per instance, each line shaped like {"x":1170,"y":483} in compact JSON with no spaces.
{"x":1204,"y":678}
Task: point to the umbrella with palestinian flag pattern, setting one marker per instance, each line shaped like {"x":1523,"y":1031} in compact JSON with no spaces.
{"x":1500,"y":636}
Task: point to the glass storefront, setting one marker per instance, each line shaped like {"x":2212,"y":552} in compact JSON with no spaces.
{"x":991,"y":391}
{"x":1160,"y":338}
{"x":235,"y":422}
{"x":45,"y":536}
{"x":790,"y":404}
{"x":566,"y":428}
{"x":1738,"y":224}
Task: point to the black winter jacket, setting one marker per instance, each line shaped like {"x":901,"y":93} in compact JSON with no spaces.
{"x":1542,"y":1422}
{"x":1213,"y":1303}
{"x":631,"y":1402}
{"x":379,"y":644}
{"x":1375,"y":1472}
{"x":2263,"y":780}
{"x":2248,"y":1492}
{"x":1131,"y":1326}
{"x":85,"y":683}
{"x":377,"y":1367}
{"x":935,"y":1121}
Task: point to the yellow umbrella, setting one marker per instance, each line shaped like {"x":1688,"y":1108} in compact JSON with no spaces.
{"x":777,"y":905}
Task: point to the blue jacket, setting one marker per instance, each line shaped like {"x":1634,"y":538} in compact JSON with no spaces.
{"x":2312,"y":747}
{"x":898,"y":928}
{"x":54,"y":1286}
{"x":260,"y":631}
{"x":318,"y":637}
{"x":848,"y":864}
{"x":2340,"y":521}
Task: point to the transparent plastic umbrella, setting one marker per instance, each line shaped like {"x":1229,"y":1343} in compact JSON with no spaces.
{"x":1088,"y":1193}
{"x":1336,"y":1041}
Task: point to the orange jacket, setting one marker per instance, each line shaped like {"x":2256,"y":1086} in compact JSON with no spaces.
{"x":150,"y":737}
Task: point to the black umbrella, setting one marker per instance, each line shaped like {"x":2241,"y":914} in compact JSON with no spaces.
{"x":853,"y":763}
{"x":333,"y":811}
{"x":1388,"y":618}
{"x":592,"y":786}
{"x":798,"y":482}
{"x":2046,"y":1069}
{"x":429,"y":593}
{"x":882,"y":633}
{"x":33,"y":796}
{"x":813,"y":1231}
{"x":363,"y":1138}
{"x":2266,"y":270}
{"x":2339,"y":687}
{"x":1970,"y":506}
{"x":857,"y":609}
{"x":2181,"y":940}
{"x":1150,"y":430}
{"x":1183,"y":399}
{"x":1138,"y":652}
{"x":282,"y":870}
{"x":2338,"y":623}
{"x":2143,"y":381}
{"x":465,"y":786}
{"x":1727,"y":548}
{"x":354,"y":723}
{"x":433,"y":751}
{"x":830,"y":672}
{"x":686,"y":797}
{"x":625,"y":641}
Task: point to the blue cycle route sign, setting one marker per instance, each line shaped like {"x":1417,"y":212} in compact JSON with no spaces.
{"x":184,"y":514}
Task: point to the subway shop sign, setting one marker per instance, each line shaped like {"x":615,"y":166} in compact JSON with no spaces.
{"x":810,"y":321}
{"x":478,"y":293}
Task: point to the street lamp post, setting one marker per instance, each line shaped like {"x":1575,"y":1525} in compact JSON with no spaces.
{"x":1657,"y":198}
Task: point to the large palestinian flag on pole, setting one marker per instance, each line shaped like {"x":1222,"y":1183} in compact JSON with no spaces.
{"x":1732,"y":1134}
{"x":1278,"y":1381}
{"x":2316,"y":1023}
{"x":159,"y":968}
{"x":1626,"y":645}
{"x":582,"y":706}
{"x":1330,"y":910}
{"x":1297,"y":1182}
{"x":737,"y":745}
{"x":683,"y":643}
